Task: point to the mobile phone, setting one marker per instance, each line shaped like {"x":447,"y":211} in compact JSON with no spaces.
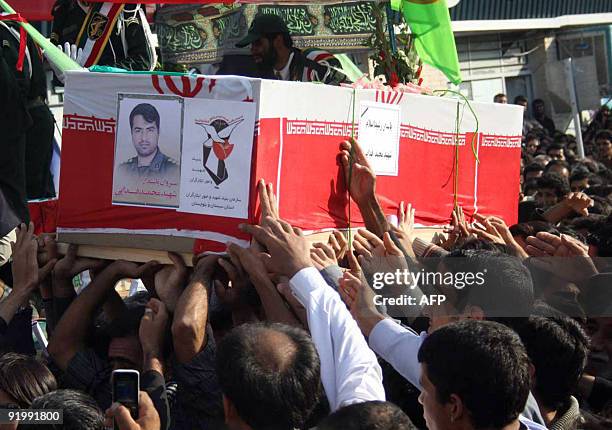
{"x":126,"y":387}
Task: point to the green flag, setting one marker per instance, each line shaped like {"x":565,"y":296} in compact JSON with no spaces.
{"x":430,"y":23}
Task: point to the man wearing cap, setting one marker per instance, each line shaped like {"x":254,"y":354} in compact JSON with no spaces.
{"x":273,"y":52}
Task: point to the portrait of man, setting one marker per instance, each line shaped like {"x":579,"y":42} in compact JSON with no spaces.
{"x":147,"y":147}
{"x":150,"y":160}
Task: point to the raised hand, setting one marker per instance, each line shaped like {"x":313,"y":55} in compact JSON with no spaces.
{"x":390,"y":259}
{"x":47,"y":249}
{"x":368,"y":244}
{"x":362,"y":186}
{"x":122,"y":269}
{"x":171,"y":280}
{"x":233,"y":293}
{"x":26,"y":273}
{"x":339,"y":244}
{"x":267,"y":200}
{"x":497,"y":231}
{"x":323,"y":256}
{"x":71,"y":265}
{"x":459,"y":230}
{"x":562,"y":256}
{"x":153,"y":327}
{"x":249,"y":260}
{"x":404,"y":232}
{"x":359,"y":297}
{"x":289,"y":251}
{"x":148,"y":418}
{"x":579,"y":203}
{"x":204,"y":268}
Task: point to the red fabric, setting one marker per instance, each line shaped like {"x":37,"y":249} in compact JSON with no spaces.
{"x":34,"y":10}
{"x":426,"y":174}
{"x":44,"y":216}
{"x":312,"y":192}
{"x":86,"y":189}
{"x":23,"y":38}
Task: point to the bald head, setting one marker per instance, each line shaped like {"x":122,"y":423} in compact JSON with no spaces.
{"x":271,"y":374}
{"x":275,"y":350}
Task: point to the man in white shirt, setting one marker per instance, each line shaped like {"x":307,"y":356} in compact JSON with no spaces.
{"x":349,"y":369}
{"x":507,"y":292}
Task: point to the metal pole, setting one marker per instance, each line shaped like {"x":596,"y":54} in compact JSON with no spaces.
{"x":571,"y":86}
{"x":391,"y":28}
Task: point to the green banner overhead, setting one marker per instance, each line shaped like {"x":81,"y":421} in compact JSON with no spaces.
{"x":196,"y":34}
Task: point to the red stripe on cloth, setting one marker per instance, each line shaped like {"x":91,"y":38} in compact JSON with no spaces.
{"x":23,"y":38}
{"x":101,"y":42}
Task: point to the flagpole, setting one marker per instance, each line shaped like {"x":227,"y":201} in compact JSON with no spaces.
{"x":52,"y":52}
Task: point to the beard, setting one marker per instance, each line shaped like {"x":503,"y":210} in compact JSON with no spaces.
{"x":267,"y":61}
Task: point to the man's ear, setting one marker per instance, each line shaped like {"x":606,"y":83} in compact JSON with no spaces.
{"x":456,"y":409}
{"x":229,"y":410}
{"x":474,"y":312}
{"x":532,"y":374}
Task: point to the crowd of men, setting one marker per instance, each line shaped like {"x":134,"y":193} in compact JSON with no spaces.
{"x":290,"y":334}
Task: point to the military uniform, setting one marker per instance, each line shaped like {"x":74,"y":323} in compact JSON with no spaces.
{"x":131,"y":53}
{"x":315,"y":65}
{"x":32,"y":83}
{"x":27,"y":124}
{"x":161,"y":166}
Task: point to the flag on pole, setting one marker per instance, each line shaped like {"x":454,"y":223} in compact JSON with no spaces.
{"x":434,"y":41}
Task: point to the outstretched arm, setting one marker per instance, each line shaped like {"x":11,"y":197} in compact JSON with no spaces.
{"x":70,"y":332}
{"x":191,"y":313}
{"x":361,"y":183}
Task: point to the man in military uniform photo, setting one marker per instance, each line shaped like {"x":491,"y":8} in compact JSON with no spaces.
{"x":150,"y":161}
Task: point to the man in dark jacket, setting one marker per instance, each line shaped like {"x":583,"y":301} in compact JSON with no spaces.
{"x":272,"y":50}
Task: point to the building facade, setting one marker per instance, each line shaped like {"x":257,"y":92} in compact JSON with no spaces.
{"x":518,"y":47}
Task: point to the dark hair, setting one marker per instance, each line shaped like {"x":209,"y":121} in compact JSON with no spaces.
{"x":558,"y":349}
{"x":537,"y":102}
{"x":555,"y":182}
{"x":373,"y":415}
{"x":147,"y":111}
{"x":604,"y":134}
{"x":531,"y":136}
{"x":601,"y":206}
{"x":482,"y":362}
{"x":602,"y":239}
{"x":531,"y":228}
{"x":599,"y":190}
{"x":579,"y":176}
{"x":271,"y":373}
{"x":530,"y":185}
{"x":592,"y":222}
{"x":498,"y":96}
{"x":24,"y":378}
{"x":506,"y":289}
{"x":520,"y":99}
{"x":533,"y":167}
{"x":80,"y":411}
{"x":553,"y":163}
{"x":556,"y":146}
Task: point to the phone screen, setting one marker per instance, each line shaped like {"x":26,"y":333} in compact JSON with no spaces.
{"x":125,"y":391}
